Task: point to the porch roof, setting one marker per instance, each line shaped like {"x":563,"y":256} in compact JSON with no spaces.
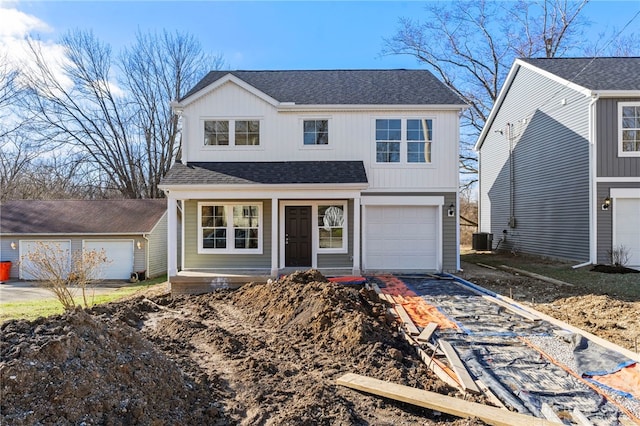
{"x":272,"y":172}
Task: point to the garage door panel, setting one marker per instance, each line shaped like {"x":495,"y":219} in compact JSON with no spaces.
{"x":119,"y":254}
{"x":401,"y":237}
{"x":29,"y":246}
{"x":627,"y":227}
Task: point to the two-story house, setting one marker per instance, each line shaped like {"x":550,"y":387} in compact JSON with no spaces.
{"x":560,"y":160}
{"x":341,"y":170}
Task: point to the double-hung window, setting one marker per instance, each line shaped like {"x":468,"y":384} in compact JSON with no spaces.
{"x":231,"y":132}
{"x":629,"y":129}
{"x":230,"y":228}
{"x":315,"y":132}
{"x":331,"y":227}
{"x":403,"y":140}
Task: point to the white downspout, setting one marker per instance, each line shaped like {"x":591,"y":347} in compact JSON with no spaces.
{"x":593,"y":193}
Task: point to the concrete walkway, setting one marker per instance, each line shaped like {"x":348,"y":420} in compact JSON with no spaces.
{"x":24,"y":291}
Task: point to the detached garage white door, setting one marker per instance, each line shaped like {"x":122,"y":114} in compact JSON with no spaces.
{"x":58,"y":251}
{"x":119,"y":255}
{"x":401,"y":237}
{"x":627,"y":227}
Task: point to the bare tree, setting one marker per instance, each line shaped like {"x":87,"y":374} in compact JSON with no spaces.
{"x":122,"y":127}
{"x":471,"y":45}
{"x":159,"y":68}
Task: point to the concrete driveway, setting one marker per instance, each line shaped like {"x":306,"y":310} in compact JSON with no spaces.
{"x":23,"y":291}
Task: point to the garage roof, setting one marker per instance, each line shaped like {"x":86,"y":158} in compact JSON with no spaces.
{"x":80,"y":216}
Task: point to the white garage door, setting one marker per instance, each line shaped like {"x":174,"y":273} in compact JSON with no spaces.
{"x":401,"y":237}
{"x":119,"y":255}
{"x":627,"y":227}
{"x":57,"y":251}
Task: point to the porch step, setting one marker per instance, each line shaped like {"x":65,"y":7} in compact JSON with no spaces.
{"x":199,"y":285}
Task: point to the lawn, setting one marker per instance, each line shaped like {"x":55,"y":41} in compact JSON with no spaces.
{"x":46,"y":307}
{"x":624,"y":286}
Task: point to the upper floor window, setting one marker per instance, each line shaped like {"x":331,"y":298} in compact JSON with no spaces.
{"x":629,"y":129}
{"x":398,"y":139}
{"x":217,"y":132}
{"x":316,"y":132}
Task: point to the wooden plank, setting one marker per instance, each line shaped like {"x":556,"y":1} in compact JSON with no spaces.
{"x":534,"y":275}
{"x":580,"y":418}
{"x":376,"y":288}
{"x":426,"y":332}
{"x":465,"y":379}
{"x":487,"y":266}
{"x":490,"y":395}
{"x":438,"y":402}
{"x":549,"y":414}
{"x":516,"y":310}
{"x":443,"y":372}
{"x":406,"y":319}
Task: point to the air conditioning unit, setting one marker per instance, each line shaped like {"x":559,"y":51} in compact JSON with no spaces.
{"x":482,"y":241}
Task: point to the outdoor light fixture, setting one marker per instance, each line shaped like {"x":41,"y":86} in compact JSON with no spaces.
{"x":13,"y":245}
{"x":139,"y":245}
{"x":606,"y":204}
{"x":451,"y":212}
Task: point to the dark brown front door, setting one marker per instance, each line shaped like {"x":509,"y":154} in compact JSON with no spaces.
{"x":297,"y":230}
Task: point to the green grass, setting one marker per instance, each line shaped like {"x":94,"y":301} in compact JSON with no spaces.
{"x":623,"y":286}
{"x":46,"y":307}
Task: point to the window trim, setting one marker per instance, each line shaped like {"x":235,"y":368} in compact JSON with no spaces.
{"x":621,"y":152}
{"x":230,"y":249}
{"x":404,"y":163}
{"x":232,"y":134}
{"x":302,"y":146}
{"x":345,"y":226}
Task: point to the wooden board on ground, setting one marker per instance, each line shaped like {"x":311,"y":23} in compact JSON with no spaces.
{"x":406,"y":319}
{"x":436,"y":401}
{"x":549,"y":414}
{"x":427,"y":332}
{"x":465,"y":379}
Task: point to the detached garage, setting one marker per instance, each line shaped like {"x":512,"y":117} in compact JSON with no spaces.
{"x":132,"y":233}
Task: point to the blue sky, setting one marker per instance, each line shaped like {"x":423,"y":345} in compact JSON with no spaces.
{"x":268,"y":34}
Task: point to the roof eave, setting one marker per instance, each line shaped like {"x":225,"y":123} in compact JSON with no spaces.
{"x":288,"y":106}
{"x":616,"y":93}
{"x":264,"y":187}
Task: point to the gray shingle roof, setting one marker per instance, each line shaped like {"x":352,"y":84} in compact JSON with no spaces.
{"x":80,"y":216}
{"x":344,"y":87}
{"x":277,"y":172}
{"x":594,"y":73}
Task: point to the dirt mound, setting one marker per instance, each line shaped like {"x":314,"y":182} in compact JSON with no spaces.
{"x":263,"y":354}
{"x":78,"y":369}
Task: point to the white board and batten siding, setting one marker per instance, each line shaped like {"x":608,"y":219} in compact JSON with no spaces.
{"x":351,"y":137}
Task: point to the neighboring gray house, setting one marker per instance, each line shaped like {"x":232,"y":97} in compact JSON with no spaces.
{"x":341,"y":170}
{"x":560,"y":159}
{"x":133,"y":233}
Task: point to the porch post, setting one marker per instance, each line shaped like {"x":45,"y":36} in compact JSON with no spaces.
{"x":172,"y":237}
{"x":275,"y":240}
{"x":356,"y":236}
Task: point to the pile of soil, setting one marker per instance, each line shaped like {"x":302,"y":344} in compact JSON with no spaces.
{"x":263,"y":354}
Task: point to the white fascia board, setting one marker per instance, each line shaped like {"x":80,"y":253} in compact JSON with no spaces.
{"x":294,"y":191}
{"x":496,"y":105}
{"x":288,"y":106}
{"x":228,"y":78}
{"x":74,"y":234}
{"x":618,"y":93}
{"x":625,"y":192}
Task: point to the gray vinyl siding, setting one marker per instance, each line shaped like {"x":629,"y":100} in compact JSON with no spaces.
{"x":157,"y":249}
{"x":342,"y":260}
{"x":193,"y":260}
{"x":550,"y":170}
{"x":608,"y":162}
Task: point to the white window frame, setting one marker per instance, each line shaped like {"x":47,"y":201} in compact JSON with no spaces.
{"x":329,"y":145}
{"x":230,"y":249}
{"x":345,"y":226}
{"x":404,"y":163}
{"x":232,"y":134}
{"x":622,"y":153}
